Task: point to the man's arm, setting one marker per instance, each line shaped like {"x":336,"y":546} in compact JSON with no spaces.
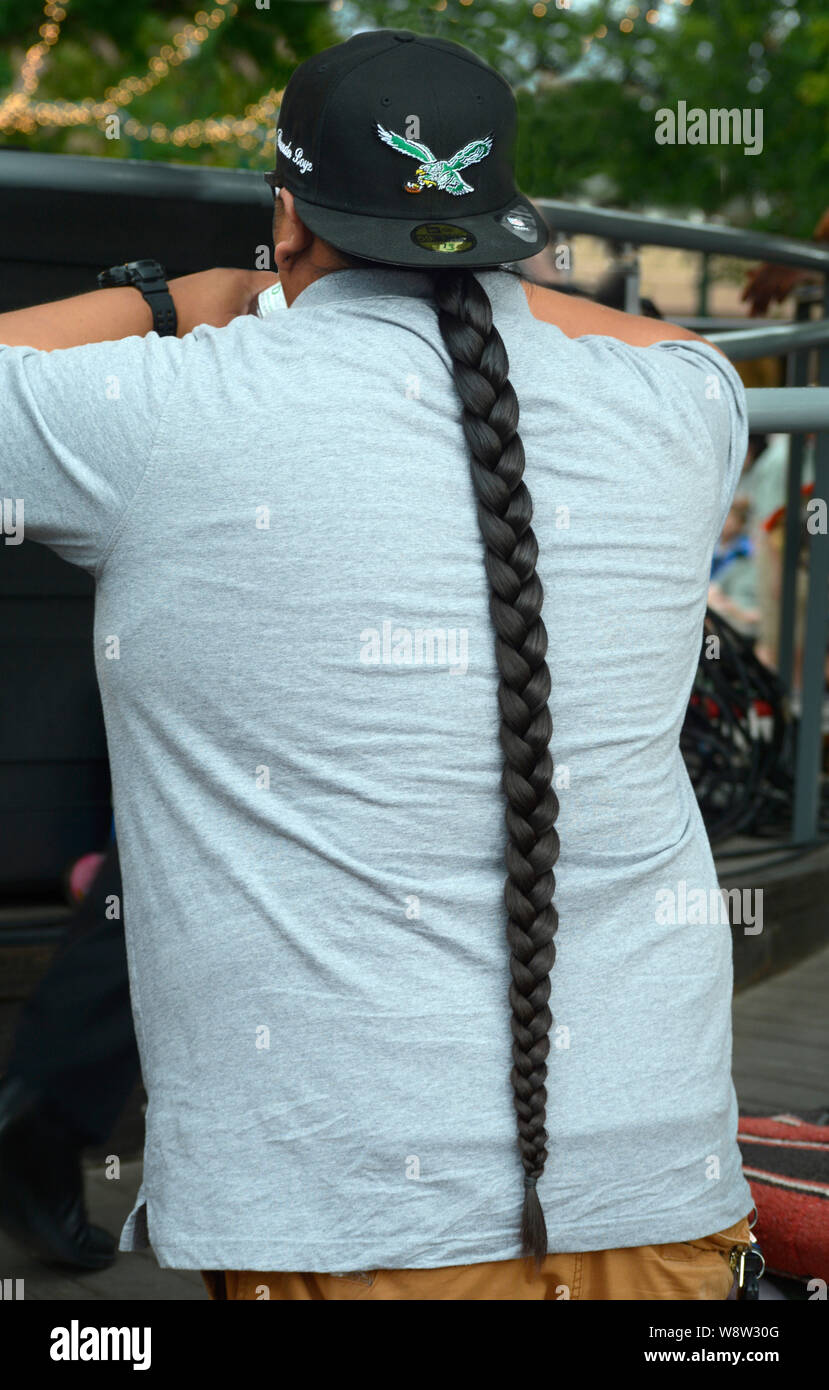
{"x":98,"y":317}
{"x":103,"y":316}
{"x":72,"y":451}
{"x":578,"y":317}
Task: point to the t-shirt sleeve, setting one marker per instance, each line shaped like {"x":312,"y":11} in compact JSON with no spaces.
{"x":717,"y":388}
{"x":77,"y":431}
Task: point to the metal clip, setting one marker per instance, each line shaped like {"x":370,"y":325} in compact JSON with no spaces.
{"x":750,"y":1271}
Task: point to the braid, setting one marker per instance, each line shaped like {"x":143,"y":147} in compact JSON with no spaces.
{"x":490,"y":419}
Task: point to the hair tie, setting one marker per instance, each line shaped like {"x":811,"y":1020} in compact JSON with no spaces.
{"x":530,"y":1182}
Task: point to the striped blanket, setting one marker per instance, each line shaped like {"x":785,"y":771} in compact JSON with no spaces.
{"x":786,"y":1164}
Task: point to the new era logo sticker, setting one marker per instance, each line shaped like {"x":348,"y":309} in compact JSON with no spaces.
{"x":443,"y":237}
{"x":520,"y":223}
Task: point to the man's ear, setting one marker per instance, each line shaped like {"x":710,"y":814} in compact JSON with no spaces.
{"x":291,"y":236}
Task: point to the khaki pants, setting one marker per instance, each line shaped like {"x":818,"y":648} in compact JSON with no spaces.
{"x":690,"y":1269}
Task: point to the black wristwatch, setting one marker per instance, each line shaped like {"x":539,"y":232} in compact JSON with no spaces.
{"x":150,"y":278}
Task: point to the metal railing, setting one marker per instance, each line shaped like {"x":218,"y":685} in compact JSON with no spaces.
{"x":795,"y":409}
{"x":216,"y":211}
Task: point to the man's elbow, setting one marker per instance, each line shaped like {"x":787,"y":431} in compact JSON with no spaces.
{"x":678,"y":332}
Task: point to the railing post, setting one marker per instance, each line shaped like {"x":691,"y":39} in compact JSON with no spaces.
{"x":810,"y":733}
{"x":797,"y":374}
{"x":703,"y":284}
{"x":630,"y":270}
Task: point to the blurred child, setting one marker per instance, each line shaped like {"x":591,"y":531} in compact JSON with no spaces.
{"x":733,"y":588}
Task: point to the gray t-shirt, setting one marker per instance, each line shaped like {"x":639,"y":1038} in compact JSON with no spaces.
{"x":297,"y":668}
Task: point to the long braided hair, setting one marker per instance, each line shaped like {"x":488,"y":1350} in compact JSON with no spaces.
{"x":480,"y":369}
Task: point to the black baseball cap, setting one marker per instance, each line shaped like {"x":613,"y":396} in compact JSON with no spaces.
{"x":398,"y":147}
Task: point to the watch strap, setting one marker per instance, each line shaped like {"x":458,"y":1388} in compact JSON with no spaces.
{"x":165,"y":320}
{"x":149,"y":278}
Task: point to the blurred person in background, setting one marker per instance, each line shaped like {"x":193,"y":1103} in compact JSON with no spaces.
{"x":764,"y":485}
{"x":733,"y":588}
{"x":770,"y":538}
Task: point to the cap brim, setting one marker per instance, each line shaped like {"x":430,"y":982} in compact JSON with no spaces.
{"x":391,"y":240}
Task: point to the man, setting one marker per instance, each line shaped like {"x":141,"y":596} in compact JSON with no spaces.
{"x":314,"y":688}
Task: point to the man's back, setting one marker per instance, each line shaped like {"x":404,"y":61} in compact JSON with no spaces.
{"x":297,"y":669}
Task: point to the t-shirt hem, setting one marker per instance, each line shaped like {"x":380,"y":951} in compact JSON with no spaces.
{"x":240,"y":1253}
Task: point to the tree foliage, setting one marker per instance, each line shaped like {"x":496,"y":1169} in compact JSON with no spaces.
{"x":588,"y":90}
{"x":587,"y":104}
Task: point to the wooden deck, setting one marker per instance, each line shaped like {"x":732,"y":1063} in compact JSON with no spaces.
{"x":781,"y":1039}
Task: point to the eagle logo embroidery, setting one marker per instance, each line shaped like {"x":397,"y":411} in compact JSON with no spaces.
{"x":437,"y":173}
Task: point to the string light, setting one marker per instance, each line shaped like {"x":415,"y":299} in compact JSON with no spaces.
{"x":19,"y":112}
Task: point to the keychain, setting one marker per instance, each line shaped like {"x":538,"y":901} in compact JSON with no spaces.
{"x":749,"y":1265}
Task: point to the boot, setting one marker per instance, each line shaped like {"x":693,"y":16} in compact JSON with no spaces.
{"x":41,"y":1184}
